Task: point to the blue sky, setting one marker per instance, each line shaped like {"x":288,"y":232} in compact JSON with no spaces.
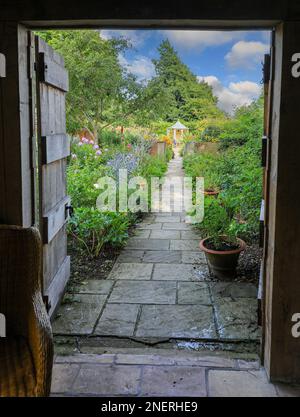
{"x":228,"y":61}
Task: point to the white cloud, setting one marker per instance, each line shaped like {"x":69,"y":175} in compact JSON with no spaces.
{"x":135,"y":37}
{"x":141,"y":66}
{"x":195,"y":39}
{"x":246,"y":54}
{"x":233,"y":96}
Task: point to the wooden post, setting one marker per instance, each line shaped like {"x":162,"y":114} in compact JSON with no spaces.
{"x":161,"y":148}
{"x":282,"y":297}
{"x":189,"y":148}
{"x":15,"y":169}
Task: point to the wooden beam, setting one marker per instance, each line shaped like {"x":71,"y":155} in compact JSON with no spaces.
{"x":54,"y":11}
{"x":54,"y":74}
{"x":282,"y":297}
{"x":2,"y":66}
{"x":55,"y":147}
{"x":54,"y":220}
{"x":56,"y":290}
{"x":15,"y":170}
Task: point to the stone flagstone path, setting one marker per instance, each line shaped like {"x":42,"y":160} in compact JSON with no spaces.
{"x":160,"y":288}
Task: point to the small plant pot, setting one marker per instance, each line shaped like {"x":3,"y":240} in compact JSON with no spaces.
{"x":222,"y":264}
{"x":213,"y":193}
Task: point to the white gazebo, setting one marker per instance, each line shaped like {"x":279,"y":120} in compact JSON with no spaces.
{"x":178,"y":130}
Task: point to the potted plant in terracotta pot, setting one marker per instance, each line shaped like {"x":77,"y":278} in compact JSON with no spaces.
{"x":211,"y":187}
{"x":221,"y":245}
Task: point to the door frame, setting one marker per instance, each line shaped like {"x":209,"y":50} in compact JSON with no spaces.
{"x":272,"y":326}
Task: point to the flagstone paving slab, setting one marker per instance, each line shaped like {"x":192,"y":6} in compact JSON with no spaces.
{"x":193,"y":258}
{"x":131,"y":271}
{"x":237,"y":319}
{"x":169,"y":219}
{"x":190,"y":234}
{"x":107,"y":380}
{"x":165,"y":234}
{"x":176,"y":321}
{"x":233,"y":290}
{"x":143,"y":292}
{"x":142,"y":233}
{"x":131,"y":255}
{"x":175,"y":272}
{"x":93,"y":286}
{"x":193,"y":293}
{"x":175,"y":226}
{"x":148,"y":244}
{"x":162,"y":256}
{"x":166,"y":381}
{"x":149,"y":226}
{"x":239,"y":384}
{"x":63,"y":376}
{"x":185,"y":245}
{"x":118,"y":320}
{"x":80,"y":315}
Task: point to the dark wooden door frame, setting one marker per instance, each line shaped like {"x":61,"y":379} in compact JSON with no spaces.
{"x":282,"y":361}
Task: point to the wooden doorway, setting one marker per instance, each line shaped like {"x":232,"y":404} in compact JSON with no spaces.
{"x":53,"y":147}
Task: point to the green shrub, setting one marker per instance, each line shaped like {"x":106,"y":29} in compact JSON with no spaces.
{"x":203,"y":165}
{"x":152,"y":166}
{"x":93,"y":229}
{"x":237,"y":172}
{"x":218,"y":221}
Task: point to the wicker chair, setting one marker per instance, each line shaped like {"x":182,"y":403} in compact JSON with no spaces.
{"x":26,"y":353}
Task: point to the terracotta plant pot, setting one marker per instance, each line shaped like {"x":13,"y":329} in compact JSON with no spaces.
{"x":222,"y":264}
{"x":213,"y":193}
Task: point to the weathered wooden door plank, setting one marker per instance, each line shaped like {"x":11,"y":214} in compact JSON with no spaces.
{"x":54,"y":148}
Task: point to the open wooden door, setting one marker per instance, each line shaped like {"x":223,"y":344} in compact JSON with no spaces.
{"x":53,"y":149}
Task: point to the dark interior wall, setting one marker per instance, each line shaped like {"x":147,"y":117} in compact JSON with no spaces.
{"x":148,"y":9}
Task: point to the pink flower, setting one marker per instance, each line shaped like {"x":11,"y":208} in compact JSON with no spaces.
{"x":91,"y":142}
{"x":80,"y":144}
{"x":85,"y":140}
{"x":129,"y":146}
{"x":96,"y":146}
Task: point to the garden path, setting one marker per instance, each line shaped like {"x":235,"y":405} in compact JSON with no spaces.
{"x":160,"y":289}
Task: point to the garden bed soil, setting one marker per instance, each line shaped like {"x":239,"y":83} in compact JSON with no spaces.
{"x":84,"y":267}
{"x":249,"y":264}
{"x":223,"y":246}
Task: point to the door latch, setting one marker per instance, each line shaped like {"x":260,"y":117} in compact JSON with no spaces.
{"x":2,"y":66}
{"x":70,"y":210}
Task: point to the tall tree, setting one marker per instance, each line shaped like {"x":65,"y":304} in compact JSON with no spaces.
{"x":102,"y":93}
{"x":187,"y":98}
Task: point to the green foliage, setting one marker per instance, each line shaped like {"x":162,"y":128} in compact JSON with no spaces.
{"x":247,"y":124}
{"x":102,"y":92}
{"x":237,"y":173}
{"x":204,"y":165}
{"x":153,"y":166}
{"x":218,"y":222}
{"x":242,"y":186}
{"x":95,"y":74}
{"x":186,"y":98}
{"x":93,"y":229}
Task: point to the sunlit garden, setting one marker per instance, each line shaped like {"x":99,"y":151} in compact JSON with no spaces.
{"x":115,"y":119}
